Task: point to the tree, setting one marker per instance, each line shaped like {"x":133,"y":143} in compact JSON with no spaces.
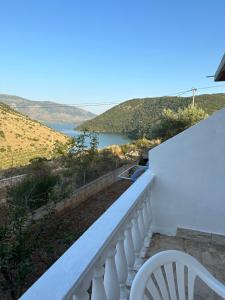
{"x":94,"y":141}
{"x":81,"y":156}
{"x":61,"y":149}
{"x":174,"y":122}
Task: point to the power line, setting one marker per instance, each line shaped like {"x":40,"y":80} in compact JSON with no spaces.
{"x":87,"y":104}
{"x":199,"y":88}
{"x":177,"y":93}
{"x":66,"y":105}
{"x":210,"y":87}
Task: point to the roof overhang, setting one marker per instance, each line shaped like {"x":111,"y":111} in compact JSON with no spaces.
{"x":220,"y":73}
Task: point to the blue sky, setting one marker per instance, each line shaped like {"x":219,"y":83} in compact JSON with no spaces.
{"x":108,"y":50}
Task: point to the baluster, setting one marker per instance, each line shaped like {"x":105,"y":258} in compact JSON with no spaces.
{"x":144,"y":224}
{"x":149,"y":210}
{"x":98,"y":290}
{"x":130,"y":253}
{"x":137,"y":241}
{"x":148,"y":222}
{"x":141,"y":224}
{"x":121,"y":266}
{"x":111,"y":281}
{"x":81,"y":295}
{"x":149,"y":207}
{"x":145,"y":213}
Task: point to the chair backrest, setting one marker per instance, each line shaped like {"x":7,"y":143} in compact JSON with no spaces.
{"x":163,"y":277}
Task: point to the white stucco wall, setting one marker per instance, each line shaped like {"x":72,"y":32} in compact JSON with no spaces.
{"x":189,"y":189}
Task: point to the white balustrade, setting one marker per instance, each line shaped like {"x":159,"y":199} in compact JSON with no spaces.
{"x":145,"y":243}
{"x":147,"y":221}
{"x":149,"y":213}
{"x":98,"y":290}
{"x":137,"y":241}
{"x":122,"y":267}
{"x":141,"y":223}
{"x":111,"y":281}
{"x":102,"y":262}
{"x":81,"y":295}
{"x":130,"y":253}
{"x":145,"y":213}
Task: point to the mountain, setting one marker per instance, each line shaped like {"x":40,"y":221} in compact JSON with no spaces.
{"x":22,"y":139}
{"x":135,"y":117}
{"x":47,"y":112}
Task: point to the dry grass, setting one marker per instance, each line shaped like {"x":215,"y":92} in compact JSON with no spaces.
{"x":22,"y":139}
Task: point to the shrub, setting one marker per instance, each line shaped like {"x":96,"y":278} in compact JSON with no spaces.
{"x":18,"y":241}
{"x":15,"y":251}
{"x":2,"y":134}
{"x":115,"y":150}
{"x":174,"y":122}
{"x":33,"y":191}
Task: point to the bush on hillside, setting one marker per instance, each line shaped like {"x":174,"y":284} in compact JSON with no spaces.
{"x":145,"y":143}
{"x":2,"y":134}
{"x":18,"y":242}
{"x":33,"y":191}
{"x":174,"y":122}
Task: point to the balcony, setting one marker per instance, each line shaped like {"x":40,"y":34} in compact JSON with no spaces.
{"x":113,"y":246}
{"x":178,"y":202}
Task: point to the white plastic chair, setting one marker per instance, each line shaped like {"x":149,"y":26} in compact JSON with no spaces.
{"x":163,"y":277}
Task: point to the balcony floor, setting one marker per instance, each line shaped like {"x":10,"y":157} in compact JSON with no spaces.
{"x":205,"y":250}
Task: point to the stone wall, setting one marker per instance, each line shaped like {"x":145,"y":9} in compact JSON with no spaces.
{"x":83,"y":192}
{"x":6,"y":182}
{"x":11,"y":180}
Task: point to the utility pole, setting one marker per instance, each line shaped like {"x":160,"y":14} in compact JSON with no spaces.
{"x":193,"y":97}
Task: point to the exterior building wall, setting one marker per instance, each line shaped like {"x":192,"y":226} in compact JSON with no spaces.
{"x":189,"y":188}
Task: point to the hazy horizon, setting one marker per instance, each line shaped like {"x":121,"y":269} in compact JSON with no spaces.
{"x":107,"y":107}
{"x":108,"y":51}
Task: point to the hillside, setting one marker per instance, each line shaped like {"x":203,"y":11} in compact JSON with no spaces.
{"x":135,"y":117}
{"x":22,"y":138}
{"x":47,"y":112}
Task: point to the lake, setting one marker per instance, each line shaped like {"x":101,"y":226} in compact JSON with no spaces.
{"x":105,"y":139}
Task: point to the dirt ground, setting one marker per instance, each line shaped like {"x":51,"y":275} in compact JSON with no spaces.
{"x":62,"y":229}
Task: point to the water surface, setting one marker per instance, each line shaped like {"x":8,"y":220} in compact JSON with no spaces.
{"x":105,"y":139}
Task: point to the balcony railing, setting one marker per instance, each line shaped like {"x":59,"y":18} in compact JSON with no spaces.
{"x":102,"y":262}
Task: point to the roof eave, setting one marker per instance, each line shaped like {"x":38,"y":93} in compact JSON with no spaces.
{"x":220,"y":73}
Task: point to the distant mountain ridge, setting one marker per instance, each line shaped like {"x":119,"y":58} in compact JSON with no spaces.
{"x":134,"y":118}
{"x":47,"y":112}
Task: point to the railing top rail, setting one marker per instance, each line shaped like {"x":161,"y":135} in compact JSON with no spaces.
{"x":67,"y":273}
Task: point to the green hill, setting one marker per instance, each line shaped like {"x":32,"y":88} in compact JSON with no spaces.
{"x":47,"y":112}
{"x":22,"y":138}
{"x":135,"y":117}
